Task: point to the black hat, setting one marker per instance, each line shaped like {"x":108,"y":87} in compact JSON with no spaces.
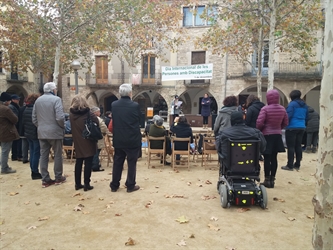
{"x":176,"y":96}
{"x":236,"y":118}
{"x":5,"y":97}
{"x":15,"y":97}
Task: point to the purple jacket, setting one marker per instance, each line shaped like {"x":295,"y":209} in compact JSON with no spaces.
{"x":273,"y":117}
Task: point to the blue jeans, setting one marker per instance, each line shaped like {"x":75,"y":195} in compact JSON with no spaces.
{"x":294,"y":146}
{"x":5,"y":149}
{"x":34,"y":154}
{"x":95,"y":161}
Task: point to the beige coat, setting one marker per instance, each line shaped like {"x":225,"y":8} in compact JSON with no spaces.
{"x":104,"y":130}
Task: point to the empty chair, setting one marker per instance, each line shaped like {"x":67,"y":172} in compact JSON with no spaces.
{"x":180,"y":147}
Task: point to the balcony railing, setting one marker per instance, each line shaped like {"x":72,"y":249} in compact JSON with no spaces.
{"x":288,"y":70}
{"x":17,"y":77}
{"x":116,"y":79}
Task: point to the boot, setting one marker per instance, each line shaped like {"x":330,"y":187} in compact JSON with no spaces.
{"x":267,"y":182}
{"x":308,"y":150}
{"x":272,"y":180}
{"x":36,"y":176}
{"x":314,"y":150}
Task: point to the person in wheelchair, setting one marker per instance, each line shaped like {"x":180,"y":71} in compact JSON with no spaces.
{"x":238,"y":131}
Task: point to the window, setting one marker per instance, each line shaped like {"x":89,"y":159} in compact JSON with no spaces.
{"x":264,"y":59}
{"x":192,"y":16}
{"x":198,"y":57}
{"x":148,"y":69}
{"x":102,"y":70}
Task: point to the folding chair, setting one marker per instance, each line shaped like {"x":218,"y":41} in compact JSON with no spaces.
{"x":181,"y":152}
{"x":208,"y":151}
{"x":160,"y":151}
{"x":69,"y":148}
{"x":108,"y":150}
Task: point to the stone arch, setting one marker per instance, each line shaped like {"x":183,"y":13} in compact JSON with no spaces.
{"x":18,"y":90}
{"x":92,"y":99}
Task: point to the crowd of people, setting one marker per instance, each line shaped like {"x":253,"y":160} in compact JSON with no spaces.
{"x":41,"y":123}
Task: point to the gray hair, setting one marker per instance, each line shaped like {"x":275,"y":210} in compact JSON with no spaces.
{"x":94,"y":109}
{"x":49,"y":87}
{"x":125,"y":89}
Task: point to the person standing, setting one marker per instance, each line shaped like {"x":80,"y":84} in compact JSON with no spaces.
{"x":230,"y":104}
{"x":126,"y":138}
{"x":205,"y":109}
{"x":297,"y":111}
{"x":30,"y":132}
{"x":96,"y":164}
{"x":17,"y":144}
{"x":48,"y":116}
{"x":8,"y":132}
{"x":271,"y":120}
{"x":312,"y":130}
{"x":85,"y":149}
{"x":175,"y":107}
{"x":254,"y":105}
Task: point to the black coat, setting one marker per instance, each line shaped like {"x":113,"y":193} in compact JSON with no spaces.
{"x":29,"y":129}
{"x":313,"y":121}
{"x":126,"y":116}
{"x":252,"y":113}
{"x":182,"y":130}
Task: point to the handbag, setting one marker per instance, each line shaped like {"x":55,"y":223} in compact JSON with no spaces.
{"x":91,"y":130}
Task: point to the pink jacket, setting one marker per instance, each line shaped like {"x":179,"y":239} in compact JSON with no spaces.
{"x":273,"y":117}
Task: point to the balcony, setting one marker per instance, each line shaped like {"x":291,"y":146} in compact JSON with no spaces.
{"x":287,"y":71}
{"x":116,"y":79}
{"x":20,"y":77}
{"x":197,"y":83}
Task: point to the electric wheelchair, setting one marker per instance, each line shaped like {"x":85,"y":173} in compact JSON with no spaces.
{"x":239,"y":175}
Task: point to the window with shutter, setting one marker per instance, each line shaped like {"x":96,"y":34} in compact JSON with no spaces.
{"x":101,"y":70}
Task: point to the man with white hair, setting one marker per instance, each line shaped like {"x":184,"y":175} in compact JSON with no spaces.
{"x":126,"y":138}
{"x":48,"y":116}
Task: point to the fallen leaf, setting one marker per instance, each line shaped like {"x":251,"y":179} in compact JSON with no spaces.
{"x":174,"y":196}
{"x":146,"y":178}
{"x":156,"y":186}
{"x":19,"y":186}
{"x":85,"y":212}
{"x":77,"y":208}
{"x":82,"y":199}
{"x":243,"y":209}
{"x":149,"y":203}
{"x":13,"y":193}
{"x":291,"y":218}
{"x":27,"y":202}
{"x":31,"y":227}
{"x":213,"y":227}
{"x":230,"y":248}
{"x":181,"y":243}
{"x":182,"y":219}
{"x":278,"y":199}
{"x":37,"y":203}
{"x":118,"y":214}
{"x":310,"y":217}
{"x":43,"y":218}
{"x":80,"y":205}
{"x":199,"y":185}
{"x":76,"y":194}
{"x":189,"y":183}
{"x":192,"y":236}
{"x":208,"y":182}
{"x":108,"y":206}
{"x":213,"y":218}
{"x":283,"y":211}
{"x":101,"y":199}
{"x":130,"y":242}
{"x":207,"y":197}
{"x":289,"y":182}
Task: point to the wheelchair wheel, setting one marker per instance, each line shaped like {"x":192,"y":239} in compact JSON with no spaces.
{"x":264,"y":199}
{"x":223,"y":195}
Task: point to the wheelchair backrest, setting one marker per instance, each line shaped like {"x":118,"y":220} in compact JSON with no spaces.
{"x":243,"y":157}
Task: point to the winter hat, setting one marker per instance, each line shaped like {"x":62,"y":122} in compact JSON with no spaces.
{"x":49,"y":87}
{"x":5,"y":97}
{"x":236,"y":118}
{"x":158,"y":120}
{"x":15,"y":97}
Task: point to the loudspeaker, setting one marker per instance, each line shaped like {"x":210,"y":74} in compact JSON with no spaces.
{"x":213,"y":120}
{"x":142,"y":120}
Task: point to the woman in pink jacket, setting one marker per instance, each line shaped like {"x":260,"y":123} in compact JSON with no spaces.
{"x":271,"y":120}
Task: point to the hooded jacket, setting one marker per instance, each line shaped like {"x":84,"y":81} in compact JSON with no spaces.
{"x":253,"y":112}
{"x":8,"y":119}
{"x":297,"y":111}
{"x":223,"y":119}
{"x":273,"y":117}
{"x":313,"y":121}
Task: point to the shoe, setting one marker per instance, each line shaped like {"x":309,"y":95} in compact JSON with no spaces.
{"x":267,"y":182}
{"x":14,"y":159}
{"x":98,"y":170}
{"x":136,"y":188}
{"x":314,"y":150}
{"x":287,"y":168}
{"x":48,"y":183}
{"x":308,"y":150}
{"x":77,"y":187}
{"x":87,"y":187}
{"x":62,"y":179}
{"x":297,"y":169}
{"x":36,"y":176}
{"x":8,"y":171}
{"x":26,"y":161}
{"x":114,"y":190}
{"x":272,"y":181}
{"x":19,"y":159}
{"x":167,"y":163}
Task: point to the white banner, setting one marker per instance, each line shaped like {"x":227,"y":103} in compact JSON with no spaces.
{"x":191,"y":72}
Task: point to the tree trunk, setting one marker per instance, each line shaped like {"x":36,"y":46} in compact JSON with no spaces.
{"x":56,"y":63}
{"x":259,"y":55}
{"x":271,"y":46}
{"x":322,"y":237}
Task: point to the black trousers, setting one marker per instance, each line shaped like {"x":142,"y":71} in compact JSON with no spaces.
{"x":87,"y":170}
{"x":118,"y":164}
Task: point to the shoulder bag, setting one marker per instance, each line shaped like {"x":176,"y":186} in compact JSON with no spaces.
{"x":91,"y":130}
